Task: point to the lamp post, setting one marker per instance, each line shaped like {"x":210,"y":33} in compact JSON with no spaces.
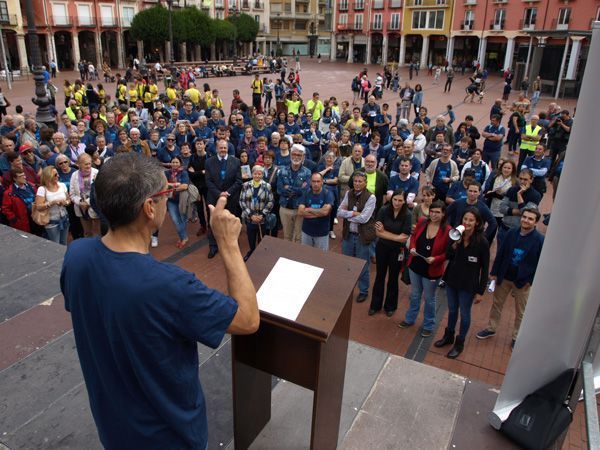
{"x":44,"y":111}
{"x":234,"y":12}
{"x":278,"y":27}
{"x":171,"y":52}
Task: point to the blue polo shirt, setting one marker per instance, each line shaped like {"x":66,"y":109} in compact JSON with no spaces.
{"x":319,"y":226}
{"x":491,"y":146}
{"x":136,"y":323}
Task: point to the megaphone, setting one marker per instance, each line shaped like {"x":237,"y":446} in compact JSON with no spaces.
{"x":456,"y":233}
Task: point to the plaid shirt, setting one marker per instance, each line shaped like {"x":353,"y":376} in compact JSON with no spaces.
{"x":262,"y":204}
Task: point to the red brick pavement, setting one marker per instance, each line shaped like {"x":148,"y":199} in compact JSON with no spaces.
{"x":482,"y":360}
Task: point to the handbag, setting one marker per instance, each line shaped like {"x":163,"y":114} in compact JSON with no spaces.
{"x":40,"y":216}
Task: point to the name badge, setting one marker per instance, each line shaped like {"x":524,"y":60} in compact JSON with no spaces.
{"x":472,"y":259}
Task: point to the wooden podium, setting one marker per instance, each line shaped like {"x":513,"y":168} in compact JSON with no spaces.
{"x":310,"y":352}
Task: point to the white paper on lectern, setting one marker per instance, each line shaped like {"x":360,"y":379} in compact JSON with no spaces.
{"x":287,"y":287}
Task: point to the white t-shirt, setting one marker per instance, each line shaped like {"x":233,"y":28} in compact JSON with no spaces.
{"x":61,"y":194}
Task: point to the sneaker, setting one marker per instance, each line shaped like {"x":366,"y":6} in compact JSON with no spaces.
{"x":484,"y":334}
{"x":405,"y":324}
{"x":442,"y":284}
{"x":426,"y":333}
{"x":332,"y":235}
{"x":154,"y":242}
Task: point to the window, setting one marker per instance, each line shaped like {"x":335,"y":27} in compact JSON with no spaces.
{"x":440,"y":2}
{"x":499,"y":17}
{"x":106,"y":15}
{"x":360,"y":4}
{"x":3,"y":12}
{"x":358,"y":22}
{"x":219,"y":14}
{"x":219,"y":4}
{"x":428,"y":20}
{"x":59,"y":12}
{"x":84,"y":14}
{"x":344,"y":5}
{"x":127,"y":16}
{"x":564,"y":16}
{"x":377,"y":22}
{"x":469,"y":18}
{"x":417,"y":2}
{"x":377,"y":4}
{"x":395,"y":3}
{"x":530,"y":16}
{"x":343,"y":19}
{"x":395,"y":21}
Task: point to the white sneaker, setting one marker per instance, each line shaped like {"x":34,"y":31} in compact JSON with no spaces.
{"x":335,"y":220}
{"x":332,"y":235}
{"x":154,"y":242}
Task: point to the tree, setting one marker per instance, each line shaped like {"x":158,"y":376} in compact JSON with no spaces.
{"x":193,"y":26}
{"x":224,"y":30}
{"x":151,"y":25}
{"x":246,"y":27}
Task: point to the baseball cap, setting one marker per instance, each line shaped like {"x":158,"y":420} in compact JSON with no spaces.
{"x":23,"y":148}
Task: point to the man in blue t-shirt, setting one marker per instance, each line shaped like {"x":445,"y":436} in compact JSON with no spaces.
{"x":315,"y":207}
{"x":136,"y":320}
{"x":403,"y":181}
{"x":492,"y":146}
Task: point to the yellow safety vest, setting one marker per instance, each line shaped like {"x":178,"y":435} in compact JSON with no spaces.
{"x":532,"y":133}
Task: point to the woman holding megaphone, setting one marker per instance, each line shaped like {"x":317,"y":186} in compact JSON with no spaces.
{"x":466,"y":277}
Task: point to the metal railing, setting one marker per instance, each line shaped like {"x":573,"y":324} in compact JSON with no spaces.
{"x":62,"y":21}
{"x":467,"y":25}
{"x":497,"y":26}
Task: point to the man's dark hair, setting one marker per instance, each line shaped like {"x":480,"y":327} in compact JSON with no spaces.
{"x":474,"y":183}
{"x":469,"y":117}
{"x":527,"y":171}
{"x":123,"y":185}
{"x":404,"y":159}
{"x":497,"y":117}
{"x":534,"y":211}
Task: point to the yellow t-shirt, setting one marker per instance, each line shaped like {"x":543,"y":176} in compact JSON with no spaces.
{"x":257,"y":86}
{"x":194,"y":95}
{"x":154,"y":91}
{"x":171,"y":95}
{"x":317,"y":108}
{"x":68,"y":91}
{"x":371,"y":177}
{"x":122,"y":92}
{"x":358,"y":124}
{"x":133,"y":95}
{"x":78,"y":97}
{"x":293,"y":106}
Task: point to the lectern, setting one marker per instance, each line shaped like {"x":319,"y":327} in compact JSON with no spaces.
{"x":310,"y":351}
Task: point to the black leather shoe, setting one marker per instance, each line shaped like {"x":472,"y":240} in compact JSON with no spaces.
{"x":459,"y":345}
{"x":212,"y":252}
{"x":389,"y":313}
{"x":372,"y":311}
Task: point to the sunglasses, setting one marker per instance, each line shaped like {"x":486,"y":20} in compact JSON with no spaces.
{"x":170,"y":139}
{"x":167,"y":192}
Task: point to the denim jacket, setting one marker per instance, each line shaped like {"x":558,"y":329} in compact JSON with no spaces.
{"x":296,"y":181}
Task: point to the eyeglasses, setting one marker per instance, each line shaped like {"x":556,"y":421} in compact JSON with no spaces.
{"x":63,"y":162}
{"x":167,"y":192}
{"x":170,"y":139}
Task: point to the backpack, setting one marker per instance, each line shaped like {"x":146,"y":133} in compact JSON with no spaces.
{"x":354,"y":85}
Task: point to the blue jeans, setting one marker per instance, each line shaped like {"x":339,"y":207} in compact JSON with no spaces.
{"x":351,"y":246}
{"x":58,"y":230}
{"x":179,"y":220}
{"x":459,"y":301}
{"x":320,"y":242}
{"x":491,"y":158}
{"x":420,"y":285}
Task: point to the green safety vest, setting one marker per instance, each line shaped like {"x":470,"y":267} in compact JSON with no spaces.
{"x":534,"y":133}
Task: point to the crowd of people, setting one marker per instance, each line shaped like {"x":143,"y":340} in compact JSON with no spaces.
{"x":298,"y":166}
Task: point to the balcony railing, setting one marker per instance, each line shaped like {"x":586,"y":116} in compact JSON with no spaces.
{"x":343,"y":6}
{"x":466,"y":25}
{"x":8,"y":19}
{"x":497,"y":26}
{"x":394,"y":26}
{"x":378,"y":4}
{"x":359,"y":5}
{"x":428,"y":3}
{"x":86,"y":21}
{"x":282,"y":9}
{"x":561,"y":25}
{"x":376,"y":26}
{"x":500,"y":1}
{"x":470,"y":2}
{"x":220,"y":5}
{"x":108,"y":22}
{"x":395,"y":3}
{"x":258,"y":5}
{"x":126,"y":21}
{"x":526,"y":26}
{"x":62,"y":21}
{"x":350,"y":27}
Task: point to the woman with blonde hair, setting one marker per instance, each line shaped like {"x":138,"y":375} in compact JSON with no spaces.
{"x":81,"y":190}
{"x":53,"y":195}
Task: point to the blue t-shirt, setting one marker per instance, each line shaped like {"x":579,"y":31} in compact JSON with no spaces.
{"x":318,"y":226}
{"x":457,"y":190}
{"x":409,"y":186}
{"x":443,"y":170}
{"x":136,"y":323}
{"x":493,"y":146}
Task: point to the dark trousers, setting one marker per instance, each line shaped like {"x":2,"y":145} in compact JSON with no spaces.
{"x":256,"y":102}
{"x":75,"y":227}
{"x":387,"y":264}
{"x":459,"y":302}
{"x":252,"y":230}
{"x":448,"y":85}
{"x":203,"y":211}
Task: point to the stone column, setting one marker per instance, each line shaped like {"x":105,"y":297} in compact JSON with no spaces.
{"x":402,"y":55}
{"x":450,"y":50}
{"x":350,"y":49}
{"x":384,"y":50}
{"x":198,"y":53}
{"x":213,"y":51}
{"x":52,"y":49}
{"x":120,"y":52}
{"x":22,"y":50}
{"x":332,"y":47}
{"x":183,"y":51}
{"x":574,"y":57}
{"x":76,"y":54}
{"x":425,"y":53}
{"x":167,"y":47}
{"x":481,"y":52}
{"x":536,"y":60}
{"x":369,"y":48}
{"x":510,"y":52}
{"x":140,"y":49}
{"x":99,"y":52}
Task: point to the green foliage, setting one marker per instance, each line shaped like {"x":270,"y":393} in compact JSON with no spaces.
{"x":246,"y":27}
{"x":193,"y":26}
{"x":151,"y":24}
{"x":224,"y":30}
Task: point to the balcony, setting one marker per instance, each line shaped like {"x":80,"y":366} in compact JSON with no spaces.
{"x":561,"y":26}
{"x":377,"y":4}
{"x":466,"y":25}
{"x":281,"y":9}
{"x":359,"y":5}
{"x":86,"y":21}
{"x":394,"y":26}
{"x":349,"y":27}
{"x":497,"y":26}
{"x":395,"y":3}
{"x":303,"y":14}
{"x":245,"y":5}
{"x":108,"y":22}
{"x":470,"y":2}
{"x":8,"y":19}
{"x":427,"y":4}
{"x":500,"y":1}
{"x":526,"y":26}
{"x":376,"y":26}
{"x":258,"y":5}
{"x":62,"y":21}
{"x":126,"y":21}
{"x":220,"y":5}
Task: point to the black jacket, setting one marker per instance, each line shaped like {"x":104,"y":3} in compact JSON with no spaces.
{"x":468,"y":267}
{"x":232,"y":182}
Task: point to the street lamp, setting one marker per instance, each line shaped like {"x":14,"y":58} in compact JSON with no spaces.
{"x":44,"y":112}
{"x":171,"y":51}
{"x":278,"y":27}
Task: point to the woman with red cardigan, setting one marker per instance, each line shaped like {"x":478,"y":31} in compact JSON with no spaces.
{"x":427,"y":254}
